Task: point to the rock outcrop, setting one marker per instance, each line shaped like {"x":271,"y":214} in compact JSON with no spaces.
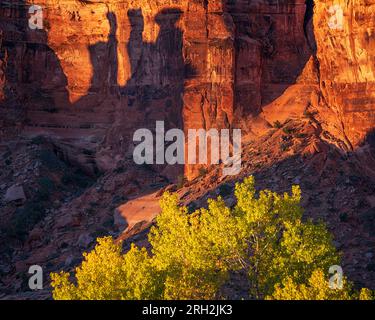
{"x":15,"y":193}
{"x":100,"y":70}
{"x":298,"y":77}
{"x":346,"y":55}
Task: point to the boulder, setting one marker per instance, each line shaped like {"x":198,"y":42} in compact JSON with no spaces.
{"x":15,"y":193}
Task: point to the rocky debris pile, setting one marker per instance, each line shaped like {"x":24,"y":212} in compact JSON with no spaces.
{"x":34,"y":185}
{"x":75,"y":213}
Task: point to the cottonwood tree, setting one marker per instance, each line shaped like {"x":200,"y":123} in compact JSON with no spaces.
{"x":192,"y":255}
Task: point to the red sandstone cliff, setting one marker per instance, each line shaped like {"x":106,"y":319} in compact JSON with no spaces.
{"x":347,"y":67}
{"x":194,"y":64}
{"x":99,"y":70}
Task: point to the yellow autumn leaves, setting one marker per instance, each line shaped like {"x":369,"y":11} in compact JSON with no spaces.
{"x":193,"y":255}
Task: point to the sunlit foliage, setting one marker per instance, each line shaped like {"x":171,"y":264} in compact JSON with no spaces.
{"x":317,"y":288}
{"x":193,"y":255}
{"x":106,"y":274}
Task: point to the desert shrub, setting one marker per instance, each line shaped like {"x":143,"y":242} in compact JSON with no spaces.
{"x":50,"y":160}
{"x":277,"y":124}
{"x":288,"y":131}
{"x":301,"y":135}
{"x":25,"y":219}
{"x":181,"y":181}
{"x":202,"y":171}
{"x":192,"y":254}
{"x":76,"y":178}
{"x":285,"y":146}
{"x":46,"y":186}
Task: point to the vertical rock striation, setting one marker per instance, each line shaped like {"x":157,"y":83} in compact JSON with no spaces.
{"x":100,"y":70}
{"x":346,"y":54}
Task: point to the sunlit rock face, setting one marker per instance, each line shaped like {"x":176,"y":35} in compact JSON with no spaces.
{"x":346,"y":53}
{"x":100,"y":70}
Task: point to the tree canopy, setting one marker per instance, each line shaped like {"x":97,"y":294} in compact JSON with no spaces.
{"x":193,"y":255}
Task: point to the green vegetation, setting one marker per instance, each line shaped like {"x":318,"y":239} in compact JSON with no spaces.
{"x":202,"y":171}
{"x":76,"y":177}
{"x":50,"y":160}
{"x":33,"y":211}
{"x":285,"y":146}
{"x":317,"y":289}
{"x":181,"y":181}
{"x":193,"y":255}
{"x":46,"y":187}
{"x":24,"y":219}
{"x":288,"y":131}
{"x":277,"y":125}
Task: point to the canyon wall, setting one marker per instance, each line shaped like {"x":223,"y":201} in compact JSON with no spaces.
{"x":99,"y":70}
{"x":346,"y":54}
